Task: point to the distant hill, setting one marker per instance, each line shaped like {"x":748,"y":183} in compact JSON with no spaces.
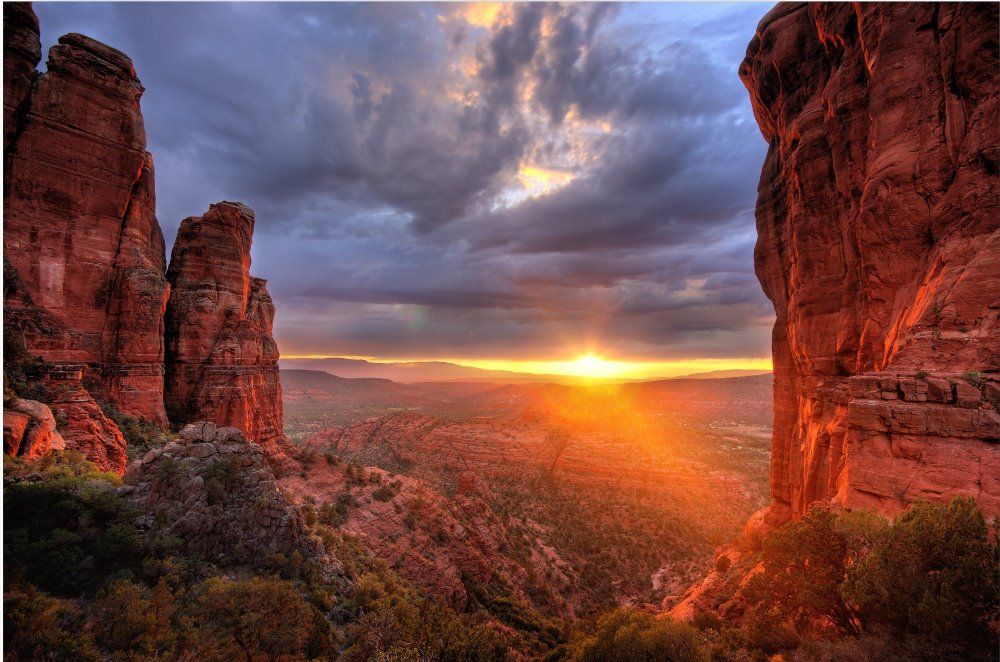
{"x":410,"y":372}
{"x":724,"y":374}
{"x":312,"y":396}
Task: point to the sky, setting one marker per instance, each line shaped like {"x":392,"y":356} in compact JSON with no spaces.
{"x":509,"y":186}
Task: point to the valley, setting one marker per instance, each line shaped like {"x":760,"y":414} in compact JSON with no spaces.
{"x":570,"y":497}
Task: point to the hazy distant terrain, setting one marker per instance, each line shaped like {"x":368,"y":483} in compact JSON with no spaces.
{"x":579,"y":485}
{"x":314,"y":400}
{"x":407,"y":372}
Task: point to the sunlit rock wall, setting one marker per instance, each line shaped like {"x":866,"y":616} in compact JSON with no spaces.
{"x":879,"y":245}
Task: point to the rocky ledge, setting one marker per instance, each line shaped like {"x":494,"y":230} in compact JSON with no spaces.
{"x":212,"y":492}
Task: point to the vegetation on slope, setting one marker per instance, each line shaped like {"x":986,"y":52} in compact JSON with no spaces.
{"x":82,"y":583}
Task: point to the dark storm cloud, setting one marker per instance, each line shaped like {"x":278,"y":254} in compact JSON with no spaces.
{"x":380,"y":146}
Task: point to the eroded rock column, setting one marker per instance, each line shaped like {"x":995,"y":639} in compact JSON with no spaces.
{"x":222,"y":361}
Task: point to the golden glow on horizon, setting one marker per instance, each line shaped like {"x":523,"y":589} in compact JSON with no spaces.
{"x":588,"y":365}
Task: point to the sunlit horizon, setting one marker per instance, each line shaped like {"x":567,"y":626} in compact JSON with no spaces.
{"x":589,"y":365}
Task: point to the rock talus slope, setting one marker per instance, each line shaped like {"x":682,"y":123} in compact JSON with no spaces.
{"x":212,"y":490}
{"x":879,"y":245}
{"x":222,"y":361}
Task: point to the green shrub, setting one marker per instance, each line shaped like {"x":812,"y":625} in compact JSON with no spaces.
{"x":392,"y":622}
{"x":221,"y":478}
{"x":140,"y":435}
{"x":928,"y":581}
{"x":70,"y":532}
{"x":256,"y":618}
{"x":335,"y":514}
{"x":497,"y":598}
{"x":22,"y":372}
{"x":932,"y":574}
{"x":804,"y":564}
{"x":388,"y":491}
{"x":631,"y":635}
{"x":130,"y":621}
{"x":59,"y":464}
{"x":974,"y":377}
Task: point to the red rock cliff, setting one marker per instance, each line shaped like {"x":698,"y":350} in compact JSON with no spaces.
{"x":222,"y":362}
{"x":79,"y":214}
{"x":879,"y":245}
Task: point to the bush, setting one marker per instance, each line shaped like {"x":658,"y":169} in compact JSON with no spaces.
{"x":932,"y":574}
{"x":927,"y":580}
{"x":256,"y":618}
{"x":221,"y":478}
{"x":22,"y":372}
{"x":37,"y":627}
{"x":497,"y":598}
{"x":804,"y":564}
{"x":130,"y":621}
{"x":630,"y":635}
{"x":59,"y":464}
{"x":69,"y":532}
{"x":140,"y":435}
{"x":974,"y":377}
{"x":393,"y":622}
{"x":388,"y":491}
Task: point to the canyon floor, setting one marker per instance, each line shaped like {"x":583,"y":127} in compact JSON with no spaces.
{"x":573,"y":499}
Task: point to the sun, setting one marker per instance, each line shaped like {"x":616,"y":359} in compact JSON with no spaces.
{"x":591,"y":365}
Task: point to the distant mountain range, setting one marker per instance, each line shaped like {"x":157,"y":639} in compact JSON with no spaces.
{"x":410,"y":372}
{"x":313,"y":396}
{"x":723,"y":374}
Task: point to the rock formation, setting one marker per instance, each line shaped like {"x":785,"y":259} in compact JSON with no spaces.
{"x":22,"y":51}
{"x":81,"y":421}
{"x":222,"y":362}
{"x":79,"y":223}
{"x":84,"y":258}
{"x":879,"y":245}
{"x":213,"y":491}
{"x":29,"y":429}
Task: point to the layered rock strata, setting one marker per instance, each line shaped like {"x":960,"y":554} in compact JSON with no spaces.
{"x":879,"y":244}
{"x":22,"y":51}
{"x":79,"y":223}
{"x":222,"y":361}
{"x":84,"y":257}
{"x":81,"y":422}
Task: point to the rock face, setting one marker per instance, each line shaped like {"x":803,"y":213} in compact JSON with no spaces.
{"x":22,"y":51}
{"x":81,"y":421}
{"x":879,"y":245}
{"x":84,"y":258}
{"x":214,"y":492}
{"x":79,"y":223}
{"x":29,"y":429}
{"x":222,"y":362}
